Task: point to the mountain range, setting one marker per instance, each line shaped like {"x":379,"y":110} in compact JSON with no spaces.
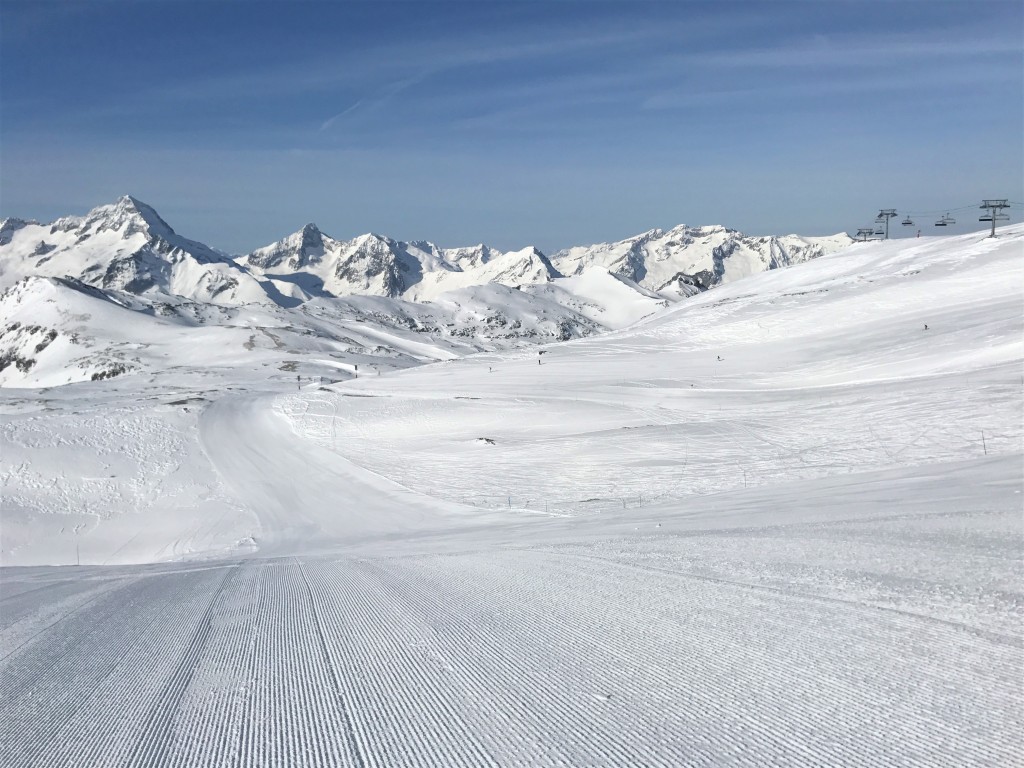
{"x":127,"y":246}
{"x":119,"y":291}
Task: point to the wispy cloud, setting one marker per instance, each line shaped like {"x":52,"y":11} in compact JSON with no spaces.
{"x":925,"y":82}
{"x":852,"y":50}
{"x":335,"y":118}
{"x":607,"y":112}
{"x":375,"y":74}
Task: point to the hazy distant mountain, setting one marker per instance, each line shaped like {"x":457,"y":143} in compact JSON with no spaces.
{"x":685,"y":260}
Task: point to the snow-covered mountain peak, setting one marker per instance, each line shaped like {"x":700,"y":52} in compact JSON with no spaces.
{"x":687,"y":259}
{"x":469,"y":256}
{"x":530,"y":262}
{"x":372,"y":240}
{"x":9,"y":226}
{"x":127,"y":215}
{"x":650,"y":234}
{"x":294,"y":252}
{"x":125,"y":246}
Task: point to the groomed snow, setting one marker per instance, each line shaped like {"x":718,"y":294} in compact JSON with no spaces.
{"x":776,"y":524}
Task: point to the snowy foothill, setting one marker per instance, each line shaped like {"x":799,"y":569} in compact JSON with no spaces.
{"x":585,"y":520}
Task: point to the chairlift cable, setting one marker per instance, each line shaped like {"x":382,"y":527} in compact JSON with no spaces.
{"x":941,"y":210}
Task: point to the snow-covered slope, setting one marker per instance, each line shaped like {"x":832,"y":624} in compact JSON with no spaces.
{"x":685,"y":260}
{"x":56,"y":331}
{"x":776,"y":524}
{"x":609,"y":299}
{"x":731,"y":387}
{"x":828,"y":367}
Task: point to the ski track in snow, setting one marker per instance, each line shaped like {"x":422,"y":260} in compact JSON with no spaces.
{"x":781,"y":529}
{"x":475,"y":659}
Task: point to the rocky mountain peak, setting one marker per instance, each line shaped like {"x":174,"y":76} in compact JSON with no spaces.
{"x":130,"y":215}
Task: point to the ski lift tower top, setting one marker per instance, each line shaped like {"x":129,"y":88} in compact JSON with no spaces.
{"x":886,"y":214}
{"x":994,"y":207}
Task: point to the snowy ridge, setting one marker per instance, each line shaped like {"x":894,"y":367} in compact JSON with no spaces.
{"x":685,"y":260}
{"x":309,"y":263}
{"x":127,"y":246}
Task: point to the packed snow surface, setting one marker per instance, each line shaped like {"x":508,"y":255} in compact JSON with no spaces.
{"x":778,"y":523}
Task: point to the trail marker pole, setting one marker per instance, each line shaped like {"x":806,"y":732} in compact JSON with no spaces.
{"x":984,"y":445}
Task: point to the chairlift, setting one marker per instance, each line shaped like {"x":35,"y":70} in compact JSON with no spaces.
{"x":907,"y":222}
{"x":940,"y":223}
{"x":879,"y":231}
{"x":949,"y":219}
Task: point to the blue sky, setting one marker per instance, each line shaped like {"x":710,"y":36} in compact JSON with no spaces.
{"x":511,"y":123}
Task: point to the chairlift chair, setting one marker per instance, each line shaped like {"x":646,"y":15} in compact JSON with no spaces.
{"x":879,"y":231}
{"x":949,"y":219}
{"x":907,"y":222}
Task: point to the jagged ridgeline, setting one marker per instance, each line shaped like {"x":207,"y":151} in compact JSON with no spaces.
{"x":127,"y":246}
{"x":119,"y":291}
